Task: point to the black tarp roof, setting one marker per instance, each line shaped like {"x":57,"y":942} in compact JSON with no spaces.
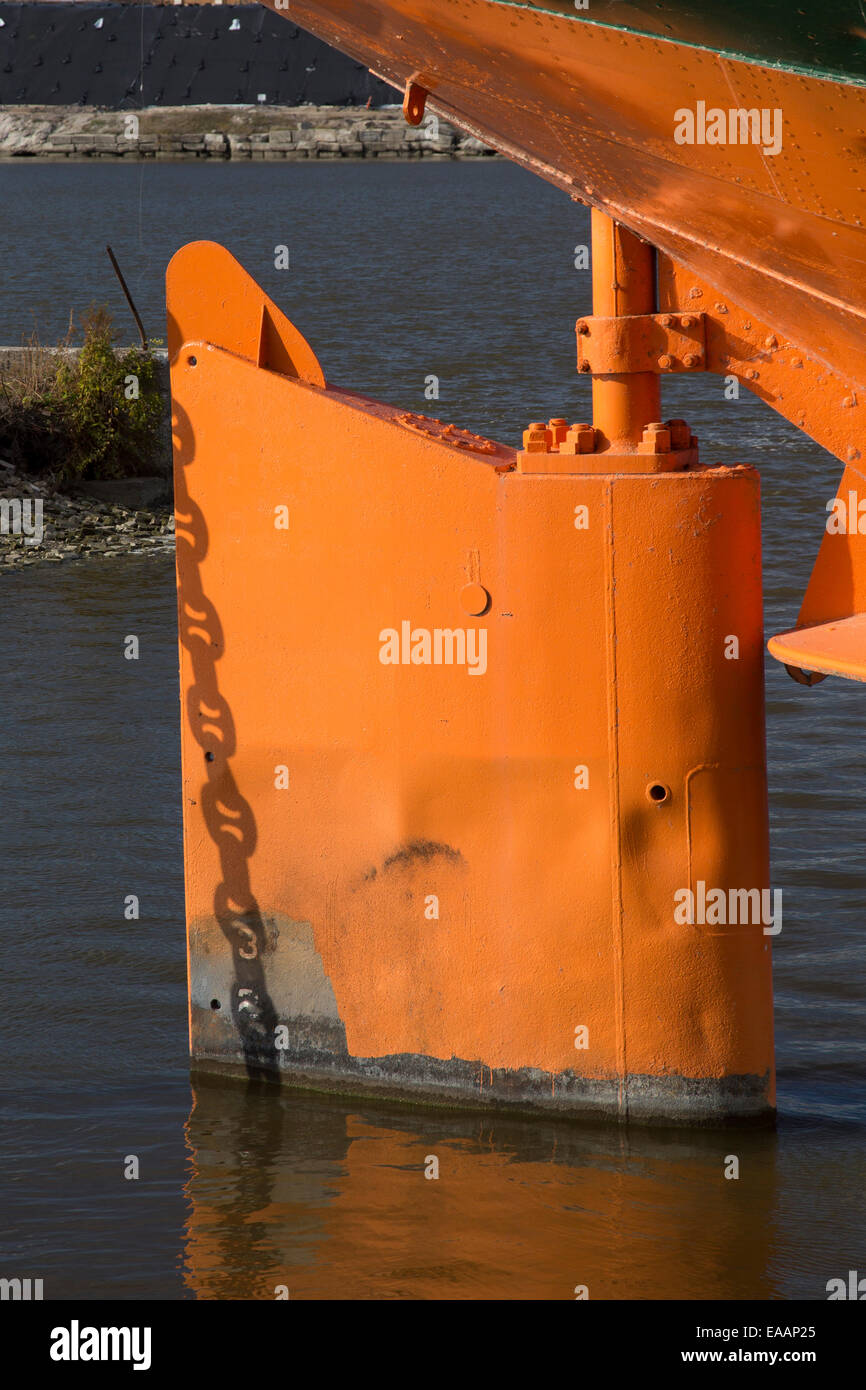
{"x":157,"y":55}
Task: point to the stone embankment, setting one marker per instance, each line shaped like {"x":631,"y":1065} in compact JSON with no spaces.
{"x":228,"y":132}
{"x":39,"y":524}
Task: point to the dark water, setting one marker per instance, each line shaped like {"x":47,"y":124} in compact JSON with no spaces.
{"x":397,"y":271}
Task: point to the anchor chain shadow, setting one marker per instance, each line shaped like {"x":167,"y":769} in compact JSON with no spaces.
{"x":228,"y":816}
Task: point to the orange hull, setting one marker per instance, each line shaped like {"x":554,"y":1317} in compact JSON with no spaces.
{"x":591,"y":107}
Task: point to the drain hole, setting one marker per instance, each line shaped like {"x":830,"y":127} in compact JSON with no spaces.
{"x":192,"y":361}
{"x":215,"y":1003}
{"x":658,"y":792}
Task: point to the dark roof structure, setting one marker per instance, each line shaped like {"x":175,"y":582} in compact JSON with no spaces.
{"x":128,"y":56}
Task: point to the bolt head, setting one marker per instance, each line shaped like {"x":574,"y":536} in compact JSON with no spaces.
{"x":558,"y":428}
{"x":537,"y":439}
{"x":579,"y":440}
{"x":656,"y":438}
{"x":659,"y":444}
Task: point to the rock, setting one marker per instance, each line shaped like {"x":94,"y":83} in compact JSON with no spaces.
{"x":94,"y":530}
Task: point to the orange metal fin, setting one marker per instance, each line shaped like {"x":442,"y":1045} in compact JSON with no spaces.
{"x":213,"y":300}
{"x":830,"y":636}
{"x":833,"y":649}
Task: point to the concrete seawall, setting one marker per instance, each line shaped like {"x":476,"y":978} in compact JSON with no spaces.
{"x":228,"y":132}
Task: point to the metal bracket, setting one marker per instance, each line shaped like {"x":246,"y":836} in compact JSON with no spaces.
{"x":414,"y":100}
{"x":641,"y":343}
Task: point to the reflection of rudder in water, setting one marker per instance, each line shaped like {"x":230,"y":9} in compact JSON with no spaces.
{"x":332,"y":1202}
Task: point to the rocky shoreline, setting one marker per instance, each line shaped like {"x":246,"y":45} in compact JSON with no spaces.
{"x":229,"y":132}
{"x":49,"y":527}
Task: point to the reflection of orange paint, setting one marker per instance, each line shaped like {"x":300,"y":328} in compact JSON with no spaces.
{"x":555,"y":960}
{"x":333,"y":1203}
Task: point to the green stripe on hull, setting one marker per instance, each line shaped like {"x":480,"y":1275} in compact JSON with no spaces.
{"x":828,"y":40}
